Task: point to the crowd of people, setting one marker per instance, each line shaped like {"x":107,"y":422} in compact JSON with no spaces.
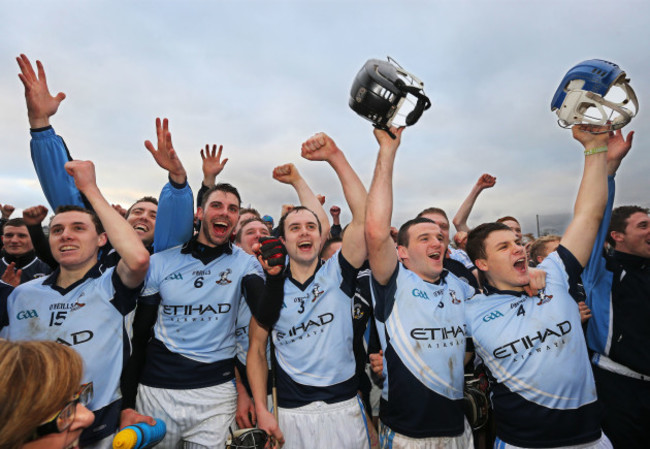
{"x":360,"y":336}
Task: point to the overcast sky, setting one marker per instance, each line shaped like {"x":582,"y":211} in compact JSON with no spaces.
{"x":261,"y":77}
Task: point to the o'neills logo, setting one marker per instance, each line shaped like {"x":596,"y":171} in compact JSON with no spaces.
{"x":529,"y":341}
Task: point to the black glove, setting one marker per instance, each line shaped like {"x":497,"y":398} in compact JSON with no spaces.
{"x":272,"y":251}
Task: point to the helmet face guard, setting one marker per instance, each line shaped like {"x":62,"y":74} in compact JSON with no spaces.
{"x":585,"y":96}
{"x":475,"y":405}
{"x":247,"y":439}
{"x":380,"y":90}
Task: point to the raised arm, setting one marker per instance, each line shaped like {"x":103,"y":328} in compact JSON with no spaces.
{"x":175,"y":215}
{"x":486,"y":181}
{"x":321,"y":147}
{"x":288,"y":174}
{"x":592,"y":195}
{"x":211,"y":165}
{"x":134,"y":261}
{"x":33,"y":217}
{"x":379,"y":209}
{"x":49,"y":152}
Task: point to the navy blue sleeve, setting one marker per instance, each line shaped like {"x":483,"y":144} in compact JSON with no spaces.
{"x":5,"y":290}
{"x":349,"y":273}
{"x":384,"y":295}
{"x":573,"y":269}
{"x":125,"y":298}
{"x":265,"y":299}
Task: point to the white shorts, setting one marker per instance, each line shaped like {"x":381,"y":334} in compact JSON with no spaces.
{"x":601,"y":443}
{"x":199,"y":416}
{"x":389,"y":439}
{"x":324,"y":426}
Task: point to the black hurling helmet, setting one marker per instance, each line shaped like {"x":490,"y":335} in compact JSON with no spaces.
{"x":247,"y":439}
{"x":380,"y":89}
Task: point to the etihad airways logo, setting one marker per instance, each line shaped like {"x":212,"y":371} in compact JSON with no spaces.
{"x":313,"y":325}
{"x":548,"y":336}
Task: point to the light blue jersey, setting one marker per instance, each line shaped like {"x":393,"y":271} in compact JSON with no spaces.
{"x":534,"y":349}
{"x":194,"y":336}
{"x":424,"y":348}
{"x":90,"y":317}
{"x":313,"y":337}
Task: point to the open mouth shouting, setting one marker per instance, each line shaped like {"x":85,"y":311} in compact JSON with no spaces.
{"x":436,"y":255}
{"x":305,"y":246}
{"x":221,"y":227}
{"x":520,"y":265}
{"x":141,"y":227}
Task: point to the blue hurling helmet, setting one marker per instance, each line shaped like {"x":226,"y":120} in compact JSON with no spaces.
{"x":379,"y":91}
{"x":580,"y":98}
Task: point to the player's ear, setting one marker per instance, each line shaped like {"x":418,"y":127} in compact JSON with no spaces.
{"x":199,"y":213}
{"x":481,"y":264}
{"x":618,"y":237}
{"x":102,"y":239}
{"x":402,"y":252}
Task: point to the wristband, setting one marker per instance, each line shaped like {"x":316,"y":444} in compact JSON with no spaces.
{"x":595,"y":151}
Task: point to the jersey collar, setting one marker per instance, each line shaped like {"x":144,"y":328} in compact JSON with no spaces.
{"x":631,"y":261}
{"x":50,"y":280}
{"x":204,"y":253}
{"x":489,"y":290}
{"x":303,"y":286}
{"x":21,"y":260}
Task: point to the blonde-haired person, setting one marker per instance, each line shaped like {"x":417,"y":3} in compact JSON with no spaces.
{"x":41,"y":396}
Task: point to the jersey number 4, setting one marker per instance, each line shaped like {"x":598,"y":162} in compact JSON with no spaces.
{"x":521,"y":311}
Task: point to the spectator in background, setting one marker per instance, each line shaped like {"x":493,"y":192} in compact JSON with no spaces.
{"x":18,"y":252}
{"x":5,"y":212}
{"x":43,"y":401}
{"x":542,"y":247}
{"x":268,"y":221}
{"x":335,"y":230}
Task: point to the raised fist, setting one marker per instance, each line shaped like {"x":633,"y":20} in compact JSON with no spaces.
{"x":319,"y":147}
{"x":486,"y":181}
{"x":34,"y":215}
{"x":286,"y":174}
{"x":7,"y":210}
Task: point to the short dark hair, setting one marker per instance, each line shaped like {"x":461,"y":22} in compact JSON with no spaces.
{"x":539,"y":246}
{"x":475,"y":246}
{"x":144,"y":199}
{"x":433,"y":210}
{"x":244,"y":223}
{"x":329,"y":242}
{"x":249,"y":210}
{"x":618,"y":223}
{"x":222,"y":187}
{"x":70,"y":208}
{"x":403,"y":234}
{"x":297,"y":209}
{"x":15,"y":222}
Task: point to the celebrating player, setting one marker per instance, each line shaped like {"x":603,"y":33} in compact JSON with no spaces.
{"x":421,"y":313}
{"x":80,"y":306}
{"x":316,"y":379}
{"x":543,"y":390}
